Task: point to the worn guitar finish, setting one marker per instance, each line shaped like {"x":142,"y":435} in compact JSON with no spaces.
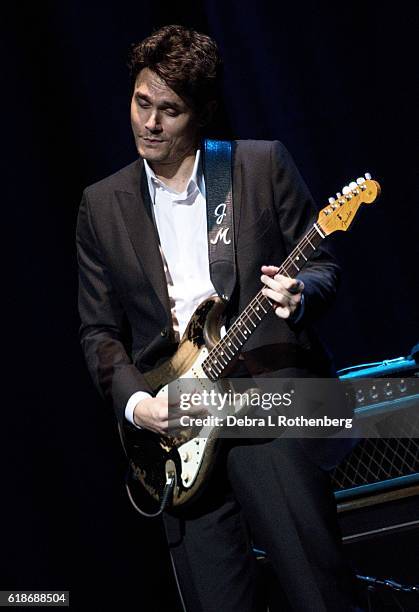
{"x":190,"y":458}
{"x":187,"y":458}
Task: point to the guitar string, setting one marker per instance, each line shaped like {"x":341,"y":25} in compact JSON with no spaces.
{"x":221,"y":347}
{"x":241,"y":319}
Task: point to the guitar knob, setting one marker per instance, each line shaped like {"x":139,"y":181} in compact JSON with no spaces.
{"x":186,"y":457}
{"x":367,"y":176}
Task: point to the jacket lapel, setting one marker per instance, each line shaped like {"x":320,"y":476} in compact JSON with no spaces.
{"x":135,"y":205}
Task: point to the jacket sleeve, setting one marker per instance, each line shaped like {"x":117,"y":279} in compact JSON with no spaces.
{"x":296,"y":213}
{"x":103,"y":320}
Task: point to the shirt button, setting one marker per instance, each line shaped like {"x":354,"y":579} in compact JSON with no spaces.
{"x":163,"y":332}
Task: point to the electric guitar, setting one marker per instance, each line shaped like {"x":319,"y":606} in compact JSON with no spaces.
{"x":169,"y":471}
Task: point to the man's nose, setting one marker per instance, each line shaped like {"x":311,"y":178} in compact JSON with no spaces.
{"x":153,"y":122}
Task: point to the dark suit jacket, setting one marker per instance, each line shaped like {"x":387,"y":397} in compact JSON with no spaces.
{"x":126,"y":326}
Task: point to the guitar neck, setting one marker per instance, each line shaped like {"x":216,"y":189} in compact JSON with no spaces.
{"x":229,"y":347}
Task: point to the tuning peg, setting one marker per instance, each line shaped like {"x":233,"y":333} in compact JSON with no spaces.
{"x":338,"y":195}
{"x":346,"y":190}
{"x":353,"y":185}
{"x":367,"y":176}
{"x":360,"y":180}
{"x":332,"y":200}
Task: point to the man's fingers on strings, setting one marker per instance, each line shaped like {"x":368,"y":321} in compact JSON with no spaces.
{"x":289,"y":286}
{"x":270,"y":270}
{"x":276,"y":284}
{"x":292,"y":285}
{"x":279,"y":299}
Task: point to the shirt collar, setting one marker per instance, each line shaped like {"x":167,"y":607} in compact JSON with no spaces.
{"x":196,"y":179}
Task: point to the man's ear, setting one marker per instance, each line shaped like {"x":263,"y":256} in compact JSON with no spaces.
{"x":207,"y":113}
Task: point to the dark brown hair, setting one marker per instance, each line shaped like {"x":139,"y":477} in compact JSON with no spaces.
{"x":186,"y":60}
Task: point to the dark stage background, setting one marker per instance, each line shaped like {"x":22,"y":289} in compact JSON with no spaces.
{"x":333,"y":82}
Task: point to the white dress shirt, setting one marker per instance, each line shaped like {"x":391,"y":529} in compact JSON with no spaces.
{"x":181,"y":221}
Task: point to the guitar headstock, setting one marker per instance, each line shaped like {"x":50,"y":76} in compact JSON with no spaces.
{"x":341,"y":211}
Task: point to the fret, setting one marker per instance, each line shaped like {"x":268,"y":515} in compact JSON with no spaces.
{"x":208,"y":372}
{"x":231,"y":340}
{"x":244,"y":322}
{"x":222,"y":359}
{"x":227,"y":346}
{"x":284,"y":271}
{"x":249,"y":318}
{"x":236,"y":337}
{"x":265,"y":311}
{"x":302,"y":253}
{"x":308,"y":240}
{"x":267,"y":303}
{"x":214,"y":367}
{"x":220,"y":354}
{"x":318,"y":229}
{"x":255,"y":311}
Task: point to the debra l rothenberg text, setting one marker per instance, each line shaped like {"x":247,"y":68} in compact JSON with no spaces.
{"x":279,"y":420}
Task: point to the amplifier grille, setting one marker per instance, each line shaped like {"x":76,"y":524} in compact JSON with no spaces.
{"x":380,"y":459}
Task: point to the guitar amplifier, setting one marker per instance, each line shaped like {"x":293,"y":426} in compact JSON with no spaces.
{"x":380,"y":477}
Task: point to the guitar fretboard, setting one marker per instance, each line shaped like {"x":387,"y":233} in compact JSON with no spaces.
{"x":229,"y":347}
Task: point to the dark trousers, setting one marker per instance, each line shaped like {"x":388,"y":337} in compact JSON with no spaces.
{"x":275,"y":495}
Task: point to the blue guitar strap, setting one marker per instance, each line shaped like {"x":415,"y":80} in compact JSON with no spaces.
{"x":217,"y":167}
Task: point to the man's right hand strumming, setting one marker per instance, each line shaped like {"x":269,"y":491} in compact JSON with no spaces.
{"x":158,"y":415}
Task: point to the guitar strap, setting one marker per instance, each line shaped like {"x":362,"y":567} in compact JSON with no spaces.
{"x":217,"y":167}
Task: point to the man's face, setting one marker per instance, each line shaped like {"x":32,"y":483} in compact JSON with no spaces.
{"x":165,"y":127}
